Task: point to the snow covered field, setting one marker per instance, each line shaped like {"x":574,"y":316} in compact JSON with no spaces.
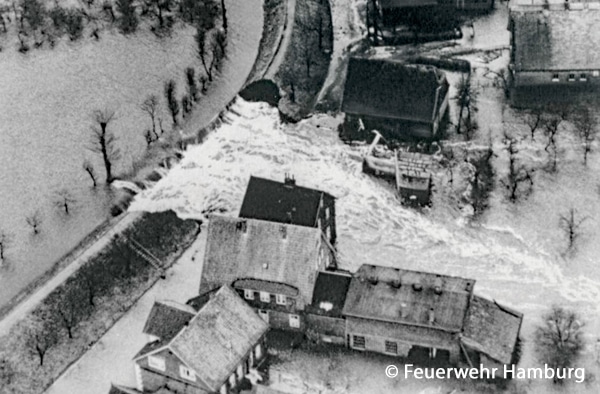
{"x":510,"y":260}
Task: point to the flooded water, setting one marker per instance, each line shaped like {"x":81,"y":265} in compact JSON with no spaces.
{"x":373,"y":227}
{"x":48,"y":96}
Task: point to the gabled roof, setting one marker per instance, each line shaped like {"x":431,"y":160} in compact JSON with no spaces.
{"x":556,"y":40}
{"x":492,"y":329}
{"x":223,"y":332}
{"x":330,"y":293}
{"x":256,"y":249}
{"x":167,"y":318}
{"x":390,"y":89}
{"x":407,"y":297}
{"x":282,"y":202}
{"x":215,"y":340}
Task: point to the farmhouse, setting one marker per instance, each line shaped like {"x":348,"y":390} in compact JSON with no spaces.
{"x":553,"y":45}
{"x":402,"y":101}
{"x":286,"y":202}
{"x":272,"y":265}
{"x":211,"y":352}
{"x":411,"y":313}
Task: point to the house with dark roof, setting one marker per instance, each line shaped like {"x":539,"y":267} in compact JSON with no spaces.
{"x":401,"y":101}
{"x":402,"y":312}
{"x":212,"y":352}
{"x":286,"y":202}
{"x":166,"y":319}
{"x":554,"y":45}
{"x":272,"y":265}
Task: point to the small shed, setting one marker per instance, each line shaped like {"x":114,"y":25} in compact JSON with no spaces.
{"x":414,"y":177}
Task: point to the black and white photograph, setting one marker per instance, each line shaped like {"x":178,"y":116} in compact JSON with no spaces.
{"x":299,"y":196}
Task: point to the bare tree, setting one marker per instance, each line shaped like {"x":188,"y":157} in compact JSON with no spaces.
{"x":518,"y":174}
{"x":466,"y":97}
{"x":470,"y":127}
{"x":190,"y":76}
{"x":89,"y":168}
{"x":42,"y":335}
{"x":69,"y":306}
{"x":551,"y":127}
{"x":104,"y":142}
{"x":203,"y":51}
{"x":34,"y":221}
{"x":559,"y":339}
{"x":150,"y":106}
{"x":65,"y":200}
{"x":571,"y":226}
{"x":224,"y":15}
{"x":534,"y":120}
{"x":586,"y":128}
{"x":5,"y":242}
{"x":172,"y":102}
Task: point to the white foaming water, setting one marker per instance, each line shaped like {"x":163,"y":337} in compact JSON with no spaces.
{"x":372,"y":225}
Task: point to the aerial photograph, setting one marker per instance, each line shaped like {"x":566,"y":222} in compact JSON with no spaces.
{"x":299,"y":196}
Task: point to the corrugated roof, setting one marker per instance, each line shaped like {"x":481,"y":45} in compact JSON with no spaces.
{"x":246,"y":248}
{"x":390,"y":89}
{"x":556,"y":40}
{"x":281,"y":202}
{"x":219,"y":336}
{"x":167,"y":318}
{"x":330,"y":293}
{"x":407,"y":297}
{"x":492,"y":329}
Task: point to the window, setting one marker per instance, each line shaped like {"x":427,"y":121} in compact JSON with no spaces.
{"x":280,"y":299}
{"x":263,"y":315}
{"x":248,"y":294}
{"x":232,"y":381}
{"x":555,"y":78}
{"x":265,"y":297}
{"x":240,"y":372}
{"x":583,"y":77}
{"x":223,"y":389}
{"x":596,"y":73}
{"x":571,"y":77}
{"x":391,"y":347}
{"x":358,"y":342}
{"x":156,"y":363}
{"x":294,"y":321}
{"x":187,"y":373}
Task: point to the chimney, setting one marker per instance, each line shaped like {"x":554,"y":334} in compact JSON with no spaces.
{"x":395,"y":283}
{"x":373,"y":279}
{"x":437,"y":285}
{"x":417,"y":286}
{"x":242,"y":226}
{"x":289,"y":180}
{"x":431,"y":316}
{"x":468,"y":287}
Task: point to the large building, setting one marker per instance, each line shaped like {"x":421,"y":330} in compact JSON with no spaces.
{"x":401,"y":312}
{"x":287,"y":202}
{"x":272,"y":265}
{"x":401,"y":101}
{"x":554,"y":44}
{"x":210,"y":351}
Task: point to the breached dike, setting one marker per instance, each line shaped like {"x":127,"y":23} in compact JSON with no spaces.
{"x":507,"y":372}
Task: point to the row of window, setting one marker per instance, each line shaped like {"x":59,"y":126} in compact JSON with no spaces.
{"x":280,"y":299}
{"x":572,"y":77}
{"x":358,"y":342}
{"x":158,"y":363}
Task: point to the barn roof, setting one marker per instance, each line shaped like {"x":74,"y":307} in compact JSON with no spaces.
{"x":390,"y":89}
{"x":246,"y":248}
{"x":282,"y":202}
{"x":216,"y":339}
{"x":167,"y":318}
{"x":556,"y":40}
{"x":330,"y":293}
{"x":492,"y":329}
{"x":408,"y":297}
